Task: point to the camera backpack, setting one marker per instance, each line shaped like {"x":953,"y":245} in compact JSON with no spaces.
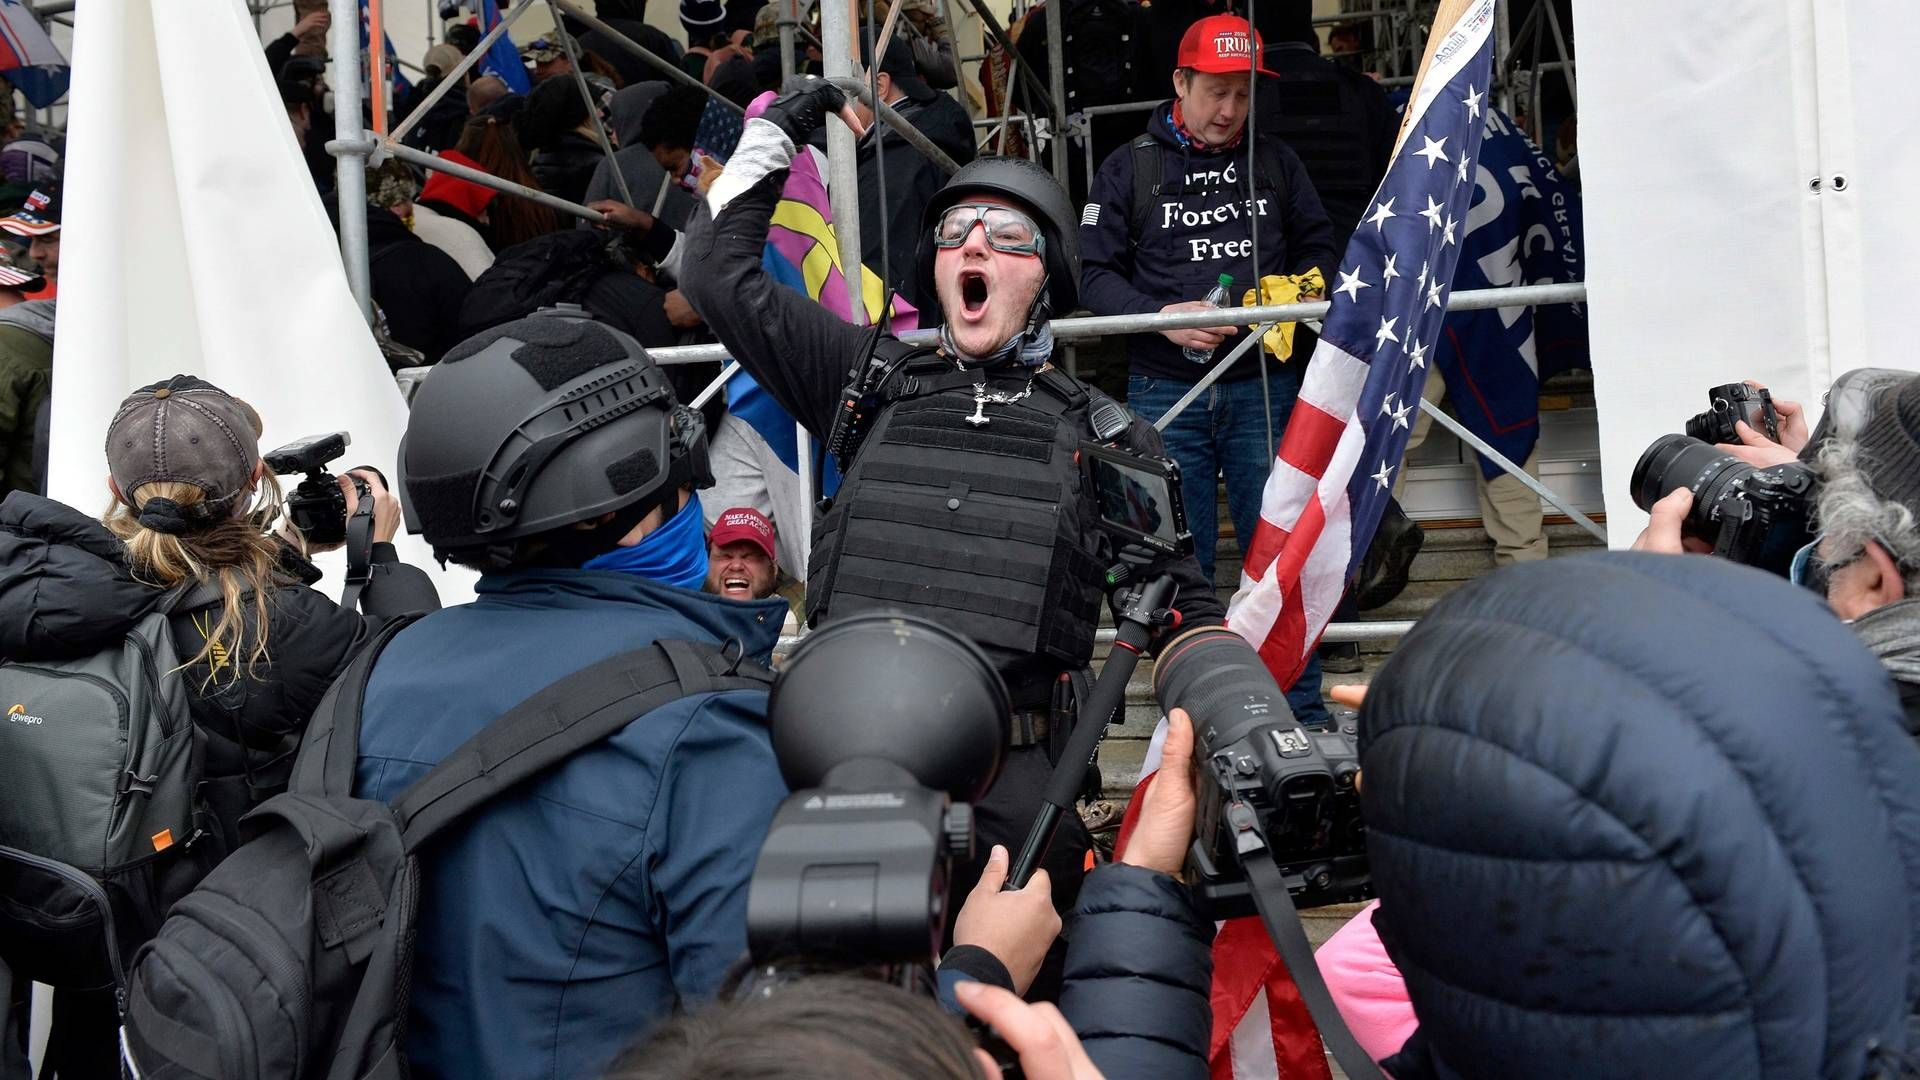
{"x":101,"y":768}
{"x":292,"y":960}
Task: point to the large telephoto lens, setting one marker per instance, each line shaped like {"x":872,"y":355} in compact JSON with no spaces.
{"x":1676,"y":461}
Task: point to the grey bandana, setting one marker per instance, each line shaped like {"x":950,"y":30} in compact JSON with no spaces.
{"x":1893,"y":633}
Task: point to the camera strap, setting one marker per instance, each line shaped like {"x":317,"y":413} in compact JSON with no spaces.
{"x":359,"y":545}
{"x":1282,"y":920}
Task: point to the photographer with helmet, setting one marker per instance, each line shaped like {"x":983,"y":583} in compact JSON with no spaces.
{"x":1859,"y":546}
{"x":608,"y":889}
{"x":962,"y":496}
{"x":182,"y":567}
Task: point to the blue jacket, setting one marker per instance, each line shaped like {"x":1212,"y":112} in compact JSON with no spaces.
{"x":1196,"y":231}
{"x":556,"y":926}
{"x":1139,"y":971}
{"x":1639,"y":815}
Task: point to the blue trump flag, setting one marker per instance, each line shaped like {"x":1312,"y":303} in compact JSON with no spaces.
{"x":503,"y":59}
{"x":1523,"y":229}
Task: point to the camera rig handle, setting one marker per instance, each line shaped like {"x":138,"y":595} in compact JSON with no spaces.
{"x":359,"y":545}
{"x":1141,"y":609}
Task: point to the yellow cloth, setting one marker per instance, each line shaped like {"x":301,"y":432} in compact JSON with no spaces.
{"x":1278,"y":289}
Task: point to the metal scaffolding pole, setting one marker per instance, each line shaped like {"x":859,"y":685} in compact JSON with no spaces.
{"x":789,"y":18}
{"x":466,"y":64}
{"x":1057,"y":90}
{"x":379,"y":89}
{"x":666,"y":67}
{"x":436,"y":163}
{"x":1097,"y":326}
{"x":898,"y":123}
{"x":586,"y":98}
{"x":999,"y":34}
{"x":350,"y":151}
{"x":843,"y":170}
{"x":1440,"y":417}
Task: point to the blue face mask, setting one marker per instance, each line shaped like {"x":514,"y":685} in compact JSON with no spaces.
{"x":673,"y":554}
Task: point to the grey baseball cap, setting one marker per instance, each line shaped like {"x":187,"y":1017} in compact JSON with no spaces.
{"x":189,"y":431}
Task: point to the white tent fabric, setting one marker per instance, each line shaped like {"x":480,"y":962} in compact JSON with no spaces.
{"x":1747,"y":168}
{"x":194,"y":242}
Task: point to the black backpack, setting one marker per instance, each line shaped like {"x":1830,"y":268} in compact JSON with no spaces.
{"x":293,"y":959}
{"x":556,"y":268}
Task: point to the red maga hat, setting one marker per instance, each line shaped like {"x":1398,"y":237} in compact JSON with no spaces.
{"x":743,"y":523}
{"x":1218,"y":45}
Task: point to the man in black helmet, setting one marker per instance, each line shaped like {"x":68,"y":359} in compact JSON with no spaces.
{"x":550,"y":454}
{"x":961,"y":496}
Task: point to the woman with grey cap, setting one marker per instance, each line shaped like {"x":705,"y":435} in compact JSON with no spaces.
{"x":191,"y":505}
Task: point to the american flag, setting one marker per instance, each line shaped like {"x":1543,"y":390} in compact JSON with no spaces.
{"x":28,"y":58}
{"x":1338,"y":460}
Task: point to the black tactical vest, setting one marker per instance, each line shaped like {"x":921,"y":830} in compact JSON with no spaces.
{"x":983,"y":527}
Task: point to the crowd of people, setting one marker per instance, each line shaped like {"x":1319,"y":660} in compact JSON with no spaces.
{"x":1639,"y":813}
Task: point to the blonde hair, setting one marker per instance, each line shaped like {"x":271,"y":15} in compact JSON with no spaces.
{"x":236,"y":553}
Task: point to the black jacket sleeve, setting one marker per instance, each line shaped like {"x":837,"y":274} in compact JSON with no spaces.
{"x":1309,"y":230}
{"x":796,"y":349}
{"x":1138,"y":972}
{"x":279,"y":51}
{"x":1193,"y":597}
{"x":1106,"y":246}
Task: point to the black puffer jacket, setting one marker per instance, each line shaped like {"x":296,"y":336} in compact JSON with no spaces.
{"x":1137,"y":975}
{"x":66,"y":590}
{"x":1644,"y":815}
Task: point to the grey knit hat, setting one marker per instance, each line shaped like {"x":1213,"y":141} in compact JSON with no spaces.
{"x":1890,"y":444}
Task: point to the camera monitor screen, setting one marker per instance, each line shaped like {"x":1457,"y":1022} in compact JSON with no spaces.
{"x":1138,"y":497}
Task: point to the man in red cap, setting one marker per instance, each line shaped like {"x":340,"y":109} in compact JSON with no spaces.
{"x":741,"y":564}
{"x":1168,"y":218}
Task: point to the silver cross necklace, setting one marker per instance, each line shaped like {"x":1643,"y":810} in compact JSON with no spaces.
{"x":981,"y":399}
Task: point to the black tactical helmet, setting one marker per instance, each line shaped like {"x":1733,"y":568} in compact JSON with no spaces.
{"x":896,"y":688}
{"x":540,"y":423}
{"x":1021,"y":181}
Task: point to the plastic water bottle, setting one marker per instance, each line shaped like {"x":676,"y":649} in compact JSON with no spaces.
{"x":1216,"y":298}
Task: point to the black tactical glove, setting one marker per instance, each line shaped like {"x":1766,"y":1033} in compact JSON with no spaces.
{"x":804,"y":106}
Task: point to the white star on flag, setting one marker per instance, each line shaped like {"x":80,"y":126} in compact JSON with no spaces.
{"x":1384,"y":476}
{"x":1472,"y":101}
{"x":1433,"y":296}
{"x":1400,"y":416}
{"x":1381,"y":213}
{"x":1447,"y":233}
{"x":1432,"y":214}
{"x":1463,"y":166}
{"x":1386,"y":334}
{"x":1416,"y":357}
{"x":1420,"y":283}
{"x":1351,"y":284}
{"x":1386,"y":405}
{"x":1389,"y":273}
{"x":1435,"y":151}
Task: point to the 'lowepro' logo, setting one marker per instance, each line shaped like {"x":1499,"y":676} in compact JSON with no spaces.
{"x":18,"y":714}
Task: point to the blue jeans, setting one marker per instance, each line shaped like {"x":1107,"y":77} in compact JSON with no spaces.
{"x":1221,"y":434}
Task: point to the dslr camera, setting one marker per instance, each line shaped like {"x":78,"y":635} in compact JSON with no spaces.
{"x":1758,"y":517}
{"x":317,"y":507}
{"x":1269,"y":787}
{"x":1730,"y":404}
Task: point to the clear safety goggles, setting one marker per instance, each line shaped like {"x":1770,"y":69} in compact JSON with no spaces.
{"x":1007,"y":229}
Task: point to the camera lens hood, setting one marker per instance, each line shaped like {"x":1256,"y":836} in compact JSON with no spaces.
{"x":896,"y":688}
